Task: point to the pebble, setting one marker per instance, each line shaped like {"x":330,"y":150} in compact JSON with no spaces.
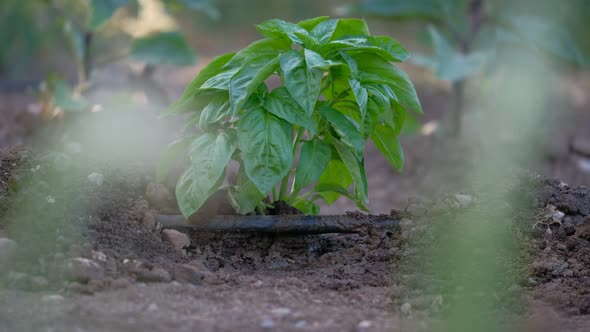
{"x":7,"y":247}
{"x":300,"y":324}
{"x":52,"y":298}
{"x":18,"y":280}
{"x":568,"y":273}
{"x":267,"y":323}
{"x":153,"y":275}
{"x":177,"y":239}
{"x":464,"y":200}
{"x":96,"y":178}
{"x":83,"y":270}
{"x":38,"y":282}
{"x":365,"y":324}
{"x":532,"y":282}
{"x":281,"y":312}
{"x":191,"y":274}
{"x":406,"y":309}
{"x":152,"y":307}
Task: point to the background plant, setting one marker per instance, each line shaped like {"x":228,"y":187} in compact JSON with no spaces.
{"x":468,"y":36}
{"x":338,"y":89}
{"x":79,"y":24}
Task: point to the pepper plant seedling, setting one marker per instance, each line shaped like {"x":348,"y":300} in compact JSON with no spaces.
{"x":304,"y":140}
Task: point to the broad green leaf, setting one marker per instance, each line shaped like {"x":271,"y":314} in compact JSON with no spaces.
{"x":267,"y":48}
{"x":186,"y":100}
{"x":215,"y":111}
{"x":356,"y":169}
{"x":336,"y":175}
{"x":209,"y":155}
{"x":307,"y":207}
{"x":386,"y":141}
{"x":323,"y":32}
{"x":312,"y":22}
{"x":313,"y":160}
{"x":281,"y":103}
{"x":361,"y":95}
{"x":302,"y":82}
{"x":175,"y":152}
{"x":102,"y":10}
{"x":245,"y":194}
{"x":386,"y":47}
{"x":248,"y":79}
{"x":163,"y":48}
{"x":76,"y":42}
{"x":280,"y":29}
{"x":347,"y":130}
{"x":332,"y":188}
{"x":265,"y":141}
{"x":315,"y":60}
{"x":220,"y":81}
{"x":350,"y":27}
{"x":386,"y":73}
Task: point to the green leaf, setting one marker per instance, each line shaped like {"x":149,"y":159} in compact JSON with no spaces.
{"x":307,"y":207}
{"x":386,"y":47}
{"x":312,"y":22}
{"x":386,"y":141}
{"x":450,"y":64}
{"x":361,"y":96}
{"x":220,"y":81}
{"x":268,"y":48}
{"x":313,"y":160}
{"x":163,"y":48}
{"x":542,"y":34}
{"x":102,"y":10}
{"x":323,"y":32}
{"x":215,"y":111}
{"x":184,"y":103}
{"x":280,"y":29}
{"x":336,"y":175}
{"x":245,"y":194}
{"x":175,"y":152}
{"x":265,"y":141}
{"x":381,"y":71}
{"x":350,"y":27}
{"x":356,"y":169}
{"x":281,"y":103}
{"x":302,"y":81}
{"x":209,"y":155}
{"x":248,"y":79}
{"x":346,"y":129}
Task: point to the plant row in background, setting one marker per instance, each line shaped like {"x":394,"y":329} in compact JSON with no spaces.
{"x":302,"y":141}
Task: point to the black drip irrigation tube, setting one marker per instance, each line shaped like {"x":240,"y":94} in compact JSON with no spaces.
{"x":284,"y":224}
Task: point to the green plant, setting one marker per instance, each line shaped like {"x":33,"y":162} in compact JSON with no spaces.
{"x":84,"y":21}
{"x":469,"y":35}
{"x":338,"y":89}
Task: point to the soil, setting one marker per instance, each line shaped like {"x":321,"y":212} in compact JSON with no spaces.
{"x":378,"y":280}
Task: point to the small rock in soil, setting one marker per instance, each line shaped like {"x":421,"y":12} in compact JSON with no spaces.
{"x":52,"y":298}
{"x":18,"y":280}
{"x":38,"y":283}
{"x":153,"y":275}
{"x":267,"y":323}
{"x":96,"y":178}
{"x":176,"y":239}
{"x":120,"y":283}
{"x":7,"y":247}
{"x":192,"y":274}
{"x":83,"y":270}
{"x":406,"y":309}
{"x":464,"y":200}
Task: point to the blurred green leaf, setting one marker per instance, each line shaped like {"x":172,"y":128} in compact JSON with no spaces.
{"x":163,"y":48}
{"x":103,"y":10}
{"x":205,"y":6}
{"x":542,"y":34}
